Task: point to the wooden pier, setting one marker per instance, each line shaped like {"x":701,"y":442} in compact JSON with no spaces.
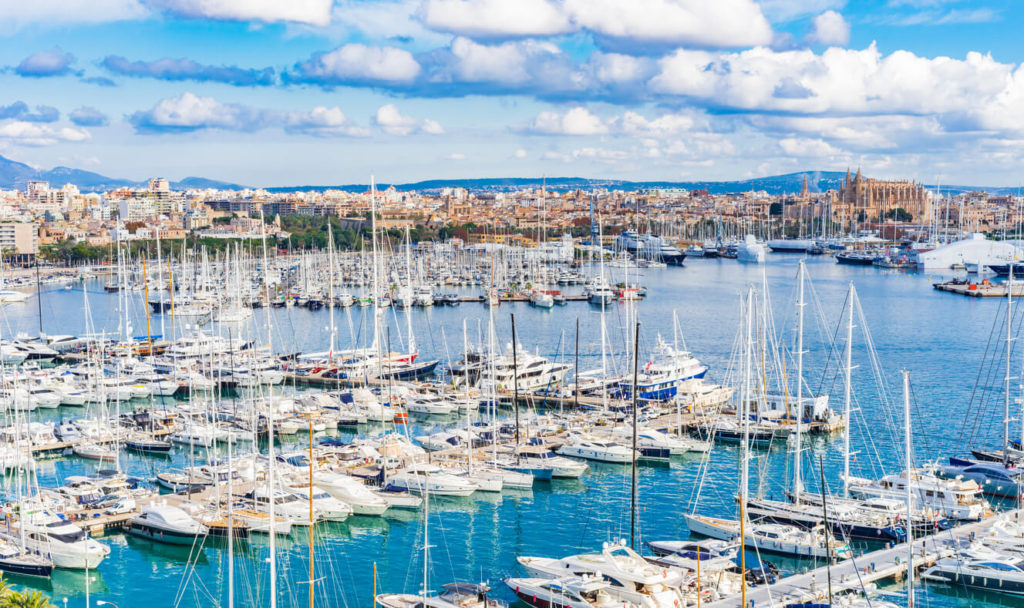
{"x":856,"y":573}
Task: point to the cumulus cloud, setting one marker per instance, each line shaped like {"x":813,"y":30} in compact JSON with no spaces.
{"x":618,"y":23}
{"x":323,"y":122}
{"x":393,"y":122}
{"x":34,"y":134}
{"x":189,"y":112}
{"x":86,"y":116}
{"x":57,"y":13}
{"x":787,"y":10}
{"x":829,"y":28}
{"x":311,"y":12}
{"x":187,"y":69}
{"x":455,"y":156}
{"x":520,"y":153}
{"x":54,"y":62}
{"x":482,"y":19}
{"x":805,"y":148}
{"x":357,"y":64}
{"x":19,"y":111}
{"x":577,"y":121}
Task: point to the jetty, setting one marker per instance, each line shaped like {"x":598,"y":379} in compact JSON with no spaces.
{"x":983,"y":289}
{"x":852,"y":575}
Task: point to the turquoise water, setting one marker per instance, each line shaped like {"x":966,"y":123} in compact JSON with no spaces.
{"x":940,"y":338}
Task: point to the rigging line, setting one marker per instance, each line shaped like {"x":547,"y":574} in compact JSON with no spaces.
{"x":970,"y":402}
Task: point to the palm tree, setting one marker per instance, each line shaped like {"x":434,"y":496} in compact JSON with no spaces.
{"x":26,"y":599}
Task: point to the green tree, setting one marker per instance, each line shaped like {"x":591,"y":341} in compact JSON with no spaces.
{"x":899,"y":214}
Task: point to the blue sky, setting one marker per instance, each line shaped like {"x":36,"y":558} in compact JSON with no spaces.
{"x":265,"y":92}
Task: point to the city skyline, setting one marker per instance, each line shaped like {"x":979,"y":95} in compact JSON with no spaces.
{"x":322,"y":92}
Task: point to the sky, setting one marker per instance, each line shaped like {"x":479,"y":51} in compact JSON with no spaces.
{"x":297,"y":92}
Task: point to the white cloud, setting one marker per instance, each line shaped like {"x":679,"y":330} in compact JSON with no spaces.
{"x":622,"y":23}
{"x":393,"y":122}
{"x":839,"y":81}
{"x":323,"y":122}
{"x":311,"y":12}
{"x":577,"y":121}
{"x":552,"y":155}
{"x":703,"y":23}
{"x":504,"y":63}
{"x":484,"y":19}
{"x":829,"y":28}
{"x":787,"y":10}
{"x":55,"y":13}
{"x":190,"y":112}
{"x":359,"y":63}
{"x":808,"y":148}
{"x":666,"y":125}
{"x":455,"y":156}
{"x":36,"y":134}
{"x":601,"y":154}
{"x":520,"y":153}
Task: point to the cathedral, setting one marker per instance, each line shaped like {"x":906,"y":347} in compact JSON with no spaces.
{"x":875,"y":197}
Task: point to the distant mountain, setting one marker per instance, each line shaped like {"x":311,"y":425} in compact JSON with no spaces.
{"x":202,"y":183}
{"x":818,"y":181}
{"x":15,"y":175}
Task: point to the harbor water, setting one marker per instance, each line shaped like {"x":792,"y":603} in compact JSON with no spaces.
{"x":942,"y":339}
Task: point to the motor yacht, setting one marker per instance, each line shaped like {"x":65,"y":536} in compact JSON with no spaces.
{"x":167,"y":524}
{"x":421,"y":477}
{"x":564,"y":592}
{"x":958,"y":499}
{"x":600,"y":450}
{"x":633,"y":579}
{"x":63,"y":542}
{"x":352,"y":492}
{"x":773,"y":538}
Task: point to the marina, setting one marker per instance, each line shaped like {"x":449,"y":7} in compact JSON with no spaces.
{"x":555,"y":418}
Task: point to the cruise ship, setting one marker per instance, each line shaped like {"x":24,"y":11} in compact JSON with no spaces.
{"x":649,"y":246}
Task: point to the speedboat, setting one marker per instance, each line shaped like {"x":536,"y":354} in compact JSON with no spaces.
{"x":633,"y":579}
{"x":1000,"y":574}
{"x":325,"y":506}
{"x":541,"y":459}
{"x":601,"y":450}
{"x":713,"y":555}
{"x":63,"y":542}
{"x":422,"y":477}
{"x":565,"y":592}
{"x":352,"y":492}
{"x":167,"y":524}
{"x":455,"y":595}
{"x":773,"y":538}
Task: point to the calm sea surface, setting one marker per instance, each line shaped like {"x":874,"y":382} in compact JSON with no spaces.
{"x":940,"y":338}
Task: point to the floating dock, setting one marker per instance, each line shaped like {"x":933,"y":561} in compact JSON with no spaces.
{"x":984,"y":289}
{"x":854,"y":574}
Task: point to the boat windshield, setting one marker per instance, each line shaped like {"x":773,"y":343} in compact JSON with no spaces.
{"x":69,"y":536}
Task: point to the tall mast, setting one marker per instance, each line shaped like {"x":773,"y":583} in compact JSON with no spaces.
{"x":270,"y":419}
{"x":408,"y":308}
{"x":846,"y":392}
{"x":330,"y":287}
{"x":1009,"y":340}
{"x":744,"y":405}
{"x":910,"y":480}
{"x":632,"y":502}
{"x":376,"y":278}
{"x":797,"y":485}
